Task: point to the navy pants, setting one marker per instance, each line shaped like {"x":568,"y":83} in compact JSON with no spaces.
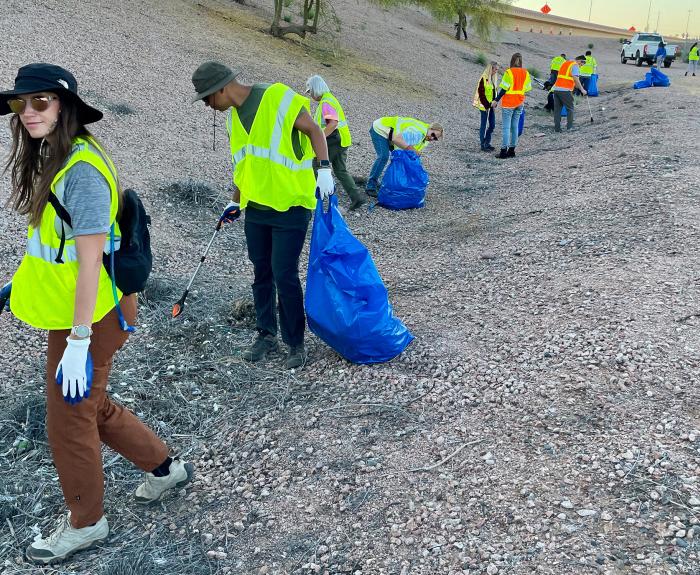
{"x":275,"y":240}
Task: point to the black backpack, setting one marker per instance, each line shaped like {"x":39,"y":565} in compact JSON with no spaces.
{"x":133,"y":260}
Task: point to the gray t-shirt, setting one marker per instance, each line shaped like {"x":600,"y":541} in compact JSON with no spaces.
{"x":87,"y":198}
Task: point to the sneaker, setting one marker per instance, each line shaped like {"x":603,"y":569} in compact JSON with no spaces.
{"x":357,"y":203}
{"x":66,"y":540}
{"x":296,"y":356}
{"x":489,"y":148}
{"x":153,"y":488}
{"x":503,"y":154}
{"x":262,"y":345}
{"x":511,"y":153}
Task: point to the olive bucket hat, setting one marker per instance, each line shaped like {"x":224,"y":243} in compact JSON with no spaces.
{"x":210,"y":77}
{"x":49,"y":78}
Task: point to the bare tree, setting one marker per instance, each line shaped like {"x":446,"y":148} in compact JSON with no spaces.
{"x":310,"y":13}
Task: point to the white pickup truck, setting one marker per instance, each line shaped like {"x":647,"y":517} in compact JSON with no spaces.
{"x":642,"y":48}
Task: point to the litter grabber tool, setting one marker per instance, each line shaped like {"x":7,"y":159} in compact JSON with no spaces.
{"x":231,"y":213}
{"x":540,"y":83}
{"x":589,"y":108}
{"x":5,"y":297}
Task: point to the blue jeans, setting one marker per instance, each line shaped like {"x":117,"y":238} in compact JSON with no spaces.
{"x":487,"y":116}
{"x":381,"y":146}
{"x":511,"y":119}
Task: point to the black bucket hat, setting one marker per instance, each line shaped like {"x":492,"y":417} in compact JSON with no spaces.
{"x":49,"y":78}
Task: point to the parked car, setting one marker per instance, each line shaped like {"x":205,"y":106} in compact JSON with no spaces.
{"x":642,"y":48}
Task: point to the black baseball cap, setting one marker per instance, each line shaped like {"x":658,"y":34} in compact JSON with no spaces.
{"x":49,"y":78}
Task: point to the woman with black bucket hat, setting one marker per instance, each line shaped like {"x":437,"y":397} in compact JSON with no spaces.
{"x":58,"y":167}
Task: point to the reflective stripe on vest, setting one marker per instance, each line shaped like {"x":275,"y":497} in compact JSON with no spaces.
{"x":265,"y":167}
{"x":565,"y":79}
{"x":514,"y":80}
{"x":343,"y":129}
{"x":43,"y":290}
{"x":403,"y":124}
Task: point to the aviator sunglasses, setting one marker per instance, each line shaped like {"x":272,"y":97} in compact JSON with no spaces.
{"x":38,"y":103}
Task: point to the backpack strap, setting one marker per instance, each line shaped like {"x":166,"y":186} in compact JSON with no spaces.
{"x":64,"y":216}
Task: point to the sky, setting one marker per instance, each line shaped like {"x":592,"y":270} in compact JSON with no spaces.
{"x":672,"y":14}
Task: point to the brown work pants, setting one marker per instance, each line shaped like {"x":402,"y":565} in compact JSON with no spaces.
{"x":77,"y":431}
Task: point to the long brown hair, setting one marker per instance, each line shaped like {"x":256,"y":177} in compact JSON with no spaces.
{"x":36,"y":162}
{"x":516,"y":60}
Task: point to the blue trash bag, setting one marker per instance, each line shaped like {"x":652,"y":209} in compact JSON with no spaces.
{"x":593,"y":86}
{"x":653,"y":78}
{"x":564,"y":113}
{"x":404,"y":183}
{"x":659,"y":79}
{"x":347,"y":304}
{"x":521,"y":123}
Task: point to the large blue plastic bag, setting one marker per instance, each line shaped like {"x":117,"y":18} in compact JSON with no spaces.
{"x":653,"y":78}
{"x":404,"y":183}
{"x":593,"y":86}
{"x":347,"y":305}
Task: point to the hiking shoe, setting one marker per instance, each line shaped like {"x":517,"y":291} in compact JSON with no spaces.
{"x":296,"y":356}
{"x":66,"y":540}
{"x":262,"y":345}
{"x":503,"y":154}
{"x":510,"y":153}
{"x":152,"y":489}
{"x":357,"y":203}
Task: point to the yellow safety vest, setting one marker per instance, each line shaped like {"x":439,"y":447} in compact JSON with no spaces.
{"x":343,"y":130}
{"x":488,"y":92}
{"x":401,"y":124}
{"x":556,"y":63}
{"x":693,"y":55}
{"x":265,"y":168}
{"x":589,"y":67}
{"x":43,"y":290}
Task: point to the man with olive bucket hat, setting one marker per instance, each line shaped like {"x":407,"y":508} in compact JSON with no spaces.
{"x":273,"y":141}
{"x":61,"y":286}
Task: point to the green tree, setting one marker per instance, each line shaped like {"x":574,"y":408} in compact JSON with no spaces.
{"x":484,"y":15}
{"x":309,"y":14}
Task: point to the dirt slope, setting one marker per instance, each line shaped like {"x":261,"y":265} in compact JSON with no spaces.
{"x":550,"y":389}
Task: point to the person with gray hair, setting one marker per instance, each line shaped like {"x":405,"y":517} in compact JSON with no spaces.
{"x":331,"y":118}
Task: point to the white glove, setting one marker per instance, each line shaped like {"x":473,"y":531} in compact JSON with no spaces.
{"x":73,"y":366}
{"x":324,"y":183}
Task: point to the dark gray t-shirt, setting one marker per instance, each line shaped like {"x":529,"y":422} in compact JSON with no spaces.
{"x":87,"y":198}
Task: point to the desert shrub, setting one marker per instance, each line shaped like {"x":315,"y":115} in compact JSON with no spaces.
{"x":481,"y":59}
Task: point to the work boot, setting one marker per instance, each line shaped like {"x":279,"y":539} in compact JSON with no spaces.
{"x":357,"y":203}
{"x":503,"y":154}
{"x":511,"y":153}
{"x":262,"y":345}
{"x":66,"y":540}
{"x":296,"y":356}
{"x":152,"y":489}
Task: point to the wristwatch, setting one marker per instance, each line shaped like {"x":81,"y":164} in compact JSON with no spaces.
{"x":81,"y":331}
{"x":325,"y":163}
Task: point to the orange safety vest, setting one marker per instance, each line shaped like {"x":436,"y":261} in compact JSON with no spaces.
{"x":565,"y":79}
{"x":515,"y":95}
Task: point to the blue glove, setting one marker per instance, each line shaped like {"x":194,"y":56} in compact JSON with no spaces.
{"x":231,"y":213}
{"x":74,"y":373}
{"x":5,"y":297}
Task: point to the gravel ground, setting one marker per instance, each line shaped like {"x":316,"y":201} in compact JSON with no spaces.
{"x":545,"y":419}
